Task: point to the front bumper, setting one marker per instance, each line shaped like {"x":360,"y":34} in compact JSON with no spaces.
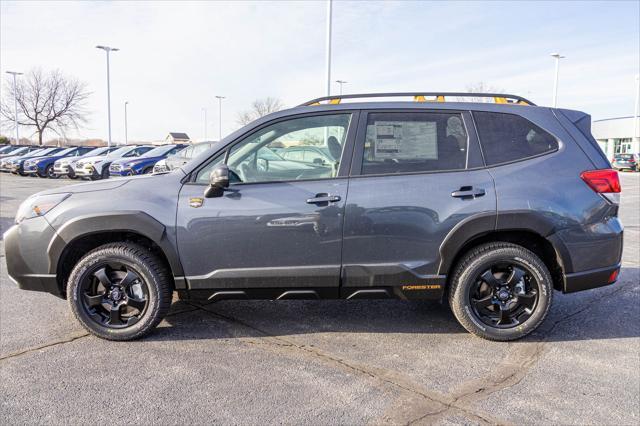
{"x":26,"y":255}
{"x":61,"y":170}
{"x":86,"y":171}
{"x":31,"y":169}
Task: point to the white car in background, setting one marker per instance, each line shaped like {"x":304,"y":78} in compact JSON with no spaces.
{"x":65,"y":166}
{"x":98,"y":167}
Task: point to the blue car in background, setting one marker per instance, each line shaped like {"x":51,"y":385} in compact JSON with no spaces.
{"x":43,"y":166}
{"x":5,"y":160}
{"x":143,"y":164}
{"x":17,"y":164}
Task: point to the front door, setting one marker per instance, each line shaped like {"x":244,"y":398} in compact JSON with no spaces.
{"x":279,"y":224}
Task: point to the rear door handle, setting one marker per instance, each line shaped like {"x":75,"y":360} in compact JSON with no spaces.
{"x":468,"y":192}
{"x":323,"y":199}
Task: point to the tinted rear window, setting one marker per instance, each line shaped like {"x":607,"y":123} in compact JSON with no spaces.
{"x":509,"y":137}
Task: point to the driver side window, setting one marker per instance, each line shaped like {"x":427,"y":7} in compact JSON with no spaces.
{"x":265,"y":156}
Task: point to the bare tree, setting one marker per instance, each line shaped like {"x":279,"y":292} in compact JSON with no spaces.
{"x":260,"y":108}
{"x":481,"y":87}
{"x":51,"y":101}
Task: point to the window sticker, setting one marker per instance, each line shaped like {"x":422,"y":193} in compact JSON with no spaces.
{"x":405,"y":140}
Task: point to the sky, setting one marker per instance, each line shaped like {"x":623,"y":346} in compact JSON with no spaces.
{"x":176,"y":57}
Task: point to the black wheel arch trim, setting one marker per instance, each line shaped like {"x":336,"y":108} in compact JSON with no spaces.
{"x":137,"y":222}
{"x":482,"y":224}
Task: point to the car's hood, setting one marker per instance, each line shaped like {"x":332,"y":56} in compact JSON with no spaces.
{"x":92,"y":159}
{"x":35,"y":158}
{"x":101,"y":185}
{"x":136,"y":160}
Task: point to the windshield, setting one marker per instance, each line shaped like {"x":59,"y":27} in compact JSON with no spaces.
{"x":120,"y":151}
{"x":97,"y":151}
{"x":45,"y":151}
{"x":65,"y":151}
{"x":159,"y":151}
{"x":625,"y":156}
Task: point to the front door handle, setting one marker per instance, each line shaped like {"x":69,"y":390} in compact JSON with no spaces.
{"x":323,"y":199}
{"x":468,"y":192}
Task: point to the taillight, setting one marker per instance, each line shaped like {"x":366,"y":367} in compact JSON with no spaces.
{"x":602,"y":181}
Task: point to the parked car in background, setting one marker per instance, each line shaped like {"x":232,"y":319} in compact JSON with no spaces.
{"x":65,"y":166}
{"x":625,"y":162}
{"x":43,"y":166}
{"x":98,"y":167}
{"x":11,"y":150}
{"x":17,"y":165}
{"x":307,"y":154}
{"x":144,"y":163}
{"x":183,"y":157}
{"x":5,"y":162}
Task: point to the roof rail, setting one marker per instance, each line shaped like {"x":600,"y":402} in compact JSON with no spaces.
{"x":498,"y":98}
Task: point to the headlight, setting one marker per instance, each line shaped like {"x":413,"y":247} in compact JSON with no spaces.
{"x":38,"y":205}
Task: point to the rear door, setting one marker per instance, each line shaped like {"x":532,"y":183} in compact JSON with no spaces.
{"x":416,"y":176}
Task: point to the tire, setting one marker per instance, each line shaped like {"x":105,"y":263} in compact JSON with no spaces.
{"x":105,"y":172}
{"x":478,"y":305}
{"x":151,"y":290}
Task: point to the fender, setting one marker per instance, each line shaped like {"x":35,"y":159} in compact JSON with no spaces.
{"x":485,"y":223}
{"x":134,"y":221}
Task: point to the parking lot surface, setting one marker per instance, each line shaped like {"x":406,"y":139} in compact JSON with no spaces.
{"x":323,"y":362}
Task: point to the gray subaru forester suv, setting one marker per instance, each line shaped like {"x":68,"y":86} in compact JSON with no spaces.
{"x":488,"y":206}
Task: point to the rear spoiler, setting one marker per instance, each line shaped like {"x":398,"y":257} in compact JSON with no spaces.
{"x":582,"y":122}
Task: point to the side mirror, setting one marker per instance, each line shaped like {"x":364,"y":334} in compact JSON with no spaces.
{"x":318,"y":161}
{"x":218,"y":181}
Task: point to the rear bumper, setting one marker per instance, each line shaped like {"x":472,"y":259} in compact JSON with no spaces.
{"x":26,"y":256}
{"x":593,"y":278}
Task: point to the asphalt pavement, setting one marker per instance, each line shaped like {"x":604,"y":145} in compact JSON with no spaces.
{"x":323,"y":362}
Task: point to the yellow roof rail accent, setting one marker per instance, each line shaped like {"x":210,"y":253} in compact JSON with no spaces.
{"x":440,"y":98}
{"x":500,"y":100}
{"x":419,"y":98}
{"x":334,"y":101}
{"x":314,"y":104}
{"x":522,"y":103}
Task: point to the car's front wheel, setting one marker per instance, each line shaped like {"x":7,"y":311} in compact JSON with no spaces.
{"x":500,"y":291}
{"x":119,"y":291}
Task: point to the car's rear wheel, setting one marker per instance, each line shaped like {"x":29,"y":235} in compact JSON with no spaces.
{"x":119,"y":291}
{"x":500,"y":291}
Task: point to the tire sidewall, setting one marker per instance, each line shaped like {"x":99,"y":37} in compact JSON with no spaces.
{"x":90,"y":263}
{"x":466,"y":280}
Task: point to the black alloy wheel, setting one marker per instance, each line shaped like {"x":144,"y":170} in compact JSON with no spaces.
{"x":114,"y":295}
{"x":500,"y":291}
{"x":504,"y":295}
{"x":50,"y":173}
{"x":120,"y":291}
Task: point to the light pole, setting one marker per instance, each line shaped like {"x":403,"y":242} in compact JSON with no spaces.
{"x":636,"y":117}
{"x":555,"y":81}
{"x":126,"y":138}
{"x":220,"y":98}
{"x":15,"y":101}
{"x":108,"y":49}
{"x":204,"y":110}
{"x":328,"y":47}
{"x":341,"y":82}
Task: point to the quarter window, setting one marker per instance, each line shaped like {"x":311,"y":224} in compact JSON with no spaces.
{"x":401,"y":142}
{"x":510,"y":137}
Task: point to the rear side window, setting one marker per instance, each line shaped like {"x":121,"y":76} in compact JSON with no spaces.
{"x":410,"y":142}
{"x":509,"y":137}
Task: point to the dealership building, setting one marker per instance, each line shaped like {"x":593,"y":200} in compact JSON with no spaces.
{"x":619,"y":135}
